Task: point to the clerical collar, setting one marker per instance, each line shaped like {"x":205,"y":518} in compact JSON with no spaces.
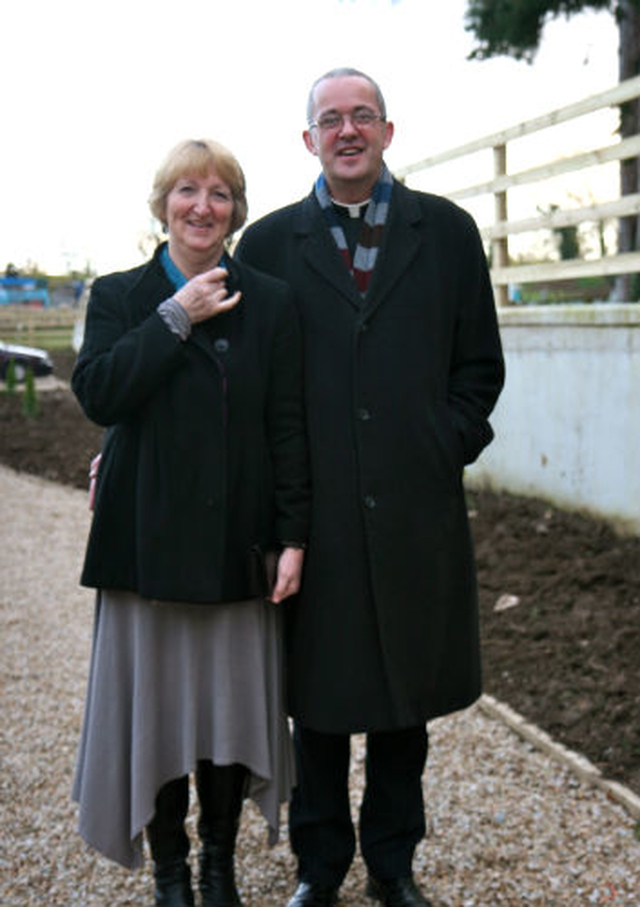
{"x":356,"y":210}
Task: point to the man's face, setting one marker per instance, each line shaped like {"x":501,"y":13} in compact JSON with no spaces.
{"x":350,"y":152}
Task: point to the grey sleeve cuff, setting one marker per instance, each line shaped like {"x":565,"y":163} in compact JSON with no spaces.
{"x":175,"y":318}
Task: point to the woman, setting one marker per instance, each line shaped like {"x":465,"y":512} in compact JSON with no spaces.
{"x":193,"y":364}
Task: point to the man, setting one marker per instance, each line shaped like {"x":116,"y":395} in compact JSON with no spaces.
{"x":403,"y":367}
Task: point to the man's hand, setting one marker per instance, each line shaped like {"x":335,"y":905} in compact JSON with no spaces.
{"x":289,"y":574}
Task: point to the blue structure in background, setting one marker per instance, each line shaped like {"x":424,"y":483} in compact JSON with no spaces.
{"x":24,"y":291}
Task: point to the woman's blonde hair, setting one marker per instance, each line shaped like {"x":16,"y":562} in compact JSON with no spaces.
{"x":199,"y":156}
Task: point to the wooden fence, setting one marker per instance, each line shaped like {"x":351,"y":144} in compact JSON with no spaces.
{"x":48,"y":327}
{"x":504,"y":272}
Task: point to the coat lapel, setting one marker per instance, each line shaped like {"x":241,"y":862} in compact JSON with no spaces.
{"x":320,"y":252}
{"x":152,"y":287}
{"x":400,"y":246}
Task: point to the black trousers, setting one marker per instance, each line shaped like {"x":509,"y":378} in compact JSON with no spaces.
{"x":391,"y":818}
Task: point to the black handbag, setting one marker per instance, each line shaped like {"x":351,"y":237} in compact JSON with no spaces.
{"x":262,"y":570}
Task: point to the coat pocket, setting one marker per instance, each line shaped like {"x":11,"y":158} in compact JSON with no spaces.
{"x":448,"y":441}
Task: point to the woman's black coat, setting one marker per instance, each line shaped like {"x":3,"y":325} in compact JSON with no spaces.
{"x":398,"y":391}
{"x":205,"y":452}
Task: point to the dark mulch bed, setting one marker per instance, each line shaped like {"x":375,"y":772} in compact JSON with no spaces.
{"x":566,"y":656}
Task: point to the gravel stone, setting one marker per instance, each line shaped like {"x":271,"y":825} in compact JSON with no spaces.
{"x":507,"y":824}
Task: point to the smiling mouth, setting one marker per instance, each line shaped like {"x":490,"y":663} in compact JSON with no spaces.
{"x":350,"y":153}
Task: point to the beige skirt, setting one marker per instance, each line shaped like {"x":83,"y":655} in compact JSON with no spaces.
{"x":170,"y":684}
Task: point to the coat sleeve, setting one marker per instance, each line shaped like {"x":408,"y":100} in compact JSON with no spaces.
{"x":286,"y":432}
{"x":121,"y":363}
{"x":476,"y":372}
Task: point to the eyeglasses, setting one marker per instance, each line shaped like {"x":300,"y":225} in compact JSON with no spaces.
{"x":359,"y":118}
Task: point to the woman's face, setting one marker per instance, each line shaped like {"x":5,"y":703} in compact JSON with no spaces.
{"x":198,"y":214}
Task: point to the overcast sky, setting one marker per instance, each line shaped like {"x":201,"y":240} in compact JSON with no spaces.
{"x":94,"y":94}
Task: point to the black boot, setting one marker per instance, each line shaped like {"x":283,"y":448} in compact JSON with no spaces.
{"x":169,"y":844}
{"x":220,"y":791}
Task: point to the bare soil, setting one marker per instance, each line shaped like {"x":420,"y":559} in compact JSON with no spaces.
{"x":565,"y":654}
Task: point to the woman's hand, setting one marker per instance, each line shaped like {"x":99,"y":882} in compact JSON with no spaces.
{"x":289,"y":574}
{"x":205,"y":295}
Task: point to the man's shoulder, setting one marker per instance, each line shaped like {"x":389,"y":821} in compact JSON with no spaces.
{"x":281,"y":218}
{"x":267,"y":242}
{"x":429,"y":202}
{"x":436,"y":212}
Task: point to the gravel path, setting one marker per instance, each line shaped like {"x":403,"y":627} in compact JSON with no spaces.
{"x":507,"y":825}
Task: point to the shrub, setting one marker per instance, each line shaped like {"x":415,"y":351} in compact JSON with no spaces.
{"x":30,"y":403}
{"x":10,"y":376}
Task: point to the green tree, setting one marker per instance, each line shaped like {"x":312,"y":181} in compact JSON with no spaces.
{"x":507,"y":28}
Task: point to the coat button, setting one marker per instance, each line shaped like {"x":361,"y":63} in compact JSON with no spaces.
{"x":221,"y":345}
{"x":369,"y":501}
{"x":364,"y":414}
{"x":363,"y":326}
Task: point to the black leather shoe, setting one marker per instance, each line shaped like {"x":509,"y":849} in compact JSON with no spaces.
{"x":308,"y":894}
{"x":401,"y":892}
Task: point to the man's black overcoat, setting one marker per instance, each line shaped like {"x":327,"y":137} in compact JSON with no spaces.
{"x":399,"y":389}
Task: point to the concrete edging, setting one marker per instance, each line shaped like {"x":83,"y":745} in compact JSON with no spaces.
{"x":578,"y":764}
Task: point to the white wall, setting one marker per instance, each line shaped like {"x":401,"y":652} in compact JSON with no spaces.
{"x":568,"y":422}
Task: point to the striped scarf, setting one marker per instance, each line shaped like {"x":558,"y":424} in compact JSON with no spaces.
{"x":366,"y":252}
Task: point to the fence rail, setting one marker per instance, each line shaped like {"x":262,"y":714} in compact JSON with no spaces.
{"x":36,"y":326}
{"x":498,"y":232}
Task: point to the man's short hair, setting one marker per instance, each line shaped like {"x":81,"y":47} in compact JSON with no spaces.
{"x":339,"y":73}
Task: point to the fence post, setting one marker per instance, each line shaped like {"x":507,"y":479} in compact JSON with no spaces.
{"x":500,"y":245}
